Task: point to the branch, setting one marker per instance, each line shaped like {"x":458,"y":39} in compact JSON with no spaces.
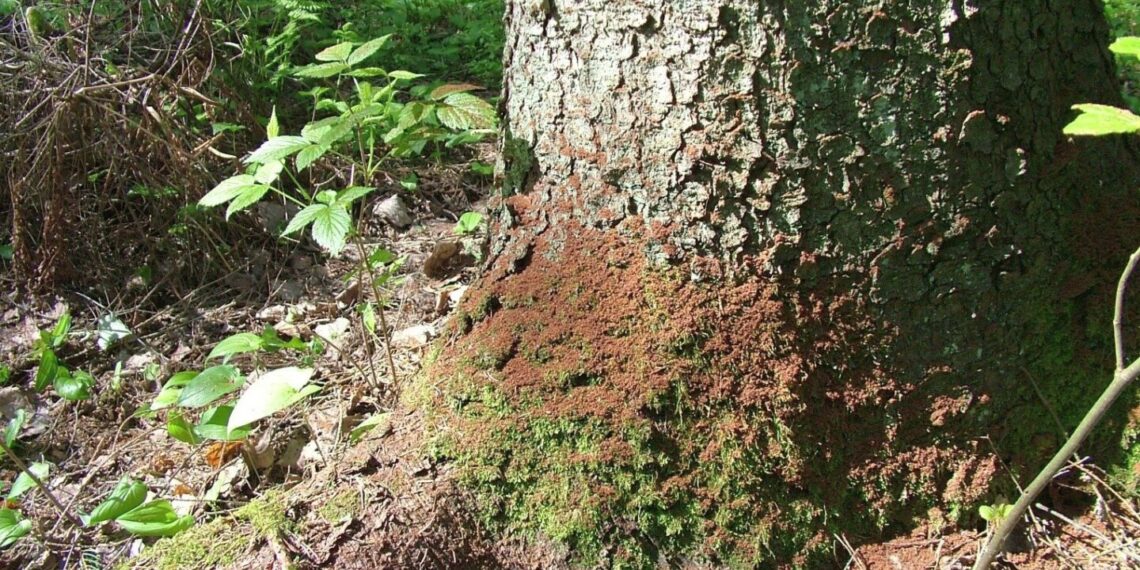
{"x":1120,"y":380}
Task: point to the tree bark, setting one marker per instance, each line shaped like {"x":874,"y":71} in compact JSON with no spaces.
{"x":765,"y":272}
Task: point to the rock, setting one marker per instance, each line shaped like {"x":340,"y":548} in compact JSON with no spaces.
{"x":413,"y":336}
{"x":272,"y":313}
{"x":393,"y":212}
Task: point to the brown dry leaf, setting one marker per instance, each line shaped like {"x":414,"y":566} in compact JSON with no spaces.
{"x":221,"y":452}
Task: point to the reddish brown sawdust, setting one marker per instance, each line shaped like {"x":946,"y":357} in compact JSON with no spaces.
{"x":581,"y":324}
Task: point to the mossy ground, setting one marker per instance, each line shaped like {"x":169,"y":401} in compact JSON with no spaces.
{"x":219,"y":543}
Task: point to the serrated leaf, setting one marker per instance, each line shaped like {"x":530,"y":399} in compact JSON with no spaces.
{"x":12,"y":527}
{"x":246,"y":199}
{"x":315,"y":131}
{"x":405,"y":75}
{"x":352,"y":194}
{"x":269,"y":172}
{"x":239,"y":343}
{"x":180,"y":429}
{"x":321,"y":71}
{"x":127,"y":495}
{"x":1128,"y":45}
{"x":172,"y":389}
{"x":330,"y":228}
{"x":304,"y":218}
{"x":156,"y":518}
{"x":367,"y":72}
{"x":1096,"y":120}
{"x":466,"y":109}
{"x":444,"y":90}
{"x":276,"y":149}
{"x":214,"y":424}
{"x":226,"y":190}
{"x":73,"y":387}
{"x":270,"y":393}
{"x":339,"y":52}
{"x":211,"y":384}
{"x":272,"y":129}
{"x":367,"y":49}
{"x":309,"y":155}
{"x":24,"y":483}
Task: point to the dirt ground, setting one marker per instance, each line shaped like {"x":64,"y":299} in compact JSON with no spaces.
{"x":374,"y":503}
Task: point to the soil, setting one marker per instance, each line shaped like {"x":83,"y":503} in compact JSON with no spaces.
{"x":385,"y":502}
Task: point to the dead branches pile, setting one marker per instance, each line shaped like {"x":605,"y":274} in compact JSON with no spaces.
{"x":101,"y":132}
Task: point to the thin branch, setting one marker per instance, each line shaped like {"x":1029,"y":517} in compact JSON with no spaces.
{"x":39,"y":483}
{"x":1118,"y":312}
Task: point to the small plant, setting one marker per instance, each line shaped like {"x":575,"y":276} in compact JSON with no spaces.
{"x":994,"y":514}
{"x":468,"y":223}
{"x":269,"y":392}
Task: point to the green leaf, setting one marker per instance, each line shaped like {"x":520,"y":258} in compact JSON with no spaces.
{"x":314,"y":131}
{"x":272,"y":129}
{"x":74,"y":387}
{"x":180,"y":429}
{"x":367,"y":49}
{"x":47,"y":370}
{"x":226,"y":190}
{"x":405,"y":75}
{"x":987,"y":512}
{"x":239,"y":343}
{"x":482,"y":168}
{"x":330,"y":228}
{"x":211,"y":384}
{"x":367,"y":425}
{"x":7,"y":252}
{"x":1096,"y":120}
{"x":339,"y":52}
{"x":468,"y":222}
{"x":215,"y":425}
{"x":156,"y":518}
{"x":410,"y":182}
{"x":352,"y":194}
{"x":309,"y":155}
{"x":127,"y":495}
{"x":24,"y":483}
{"x":172,"y":390}
{"x":1128,"y":45}
{"x":270,"y":393}
{"x":269,"y":172}
{"x":368,"y":72}
{"x":12,"y":430}
{"x":304,"y":218}
{"x":247,"y":198}
{"x":321,"y":71}
{"x":463,"y":111}
{"x":443,"y":91}
{"x":368,"y":317}
{"x":276,"y":149}
{"x":109,"y":330}
{"x":12,"y":527}
{"x":59,"y":332}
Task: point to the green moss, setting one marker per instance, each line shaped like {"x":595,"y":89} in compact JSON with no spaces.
{"x":342,"y":505}
{"x":220,"y":542}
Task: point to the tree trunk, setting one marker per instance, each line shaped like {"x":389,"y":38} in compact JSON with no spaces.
{"x":762,"y":272}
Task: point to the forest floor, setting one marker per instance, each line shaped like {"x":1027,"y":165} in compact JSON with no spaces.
{"x":308,"y":489}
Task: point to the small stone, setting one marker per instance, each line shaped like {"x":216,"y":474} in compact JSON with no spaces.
{"x":413,"y":337}
{"x":393,"y":212}
{"x":272,"y":313}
